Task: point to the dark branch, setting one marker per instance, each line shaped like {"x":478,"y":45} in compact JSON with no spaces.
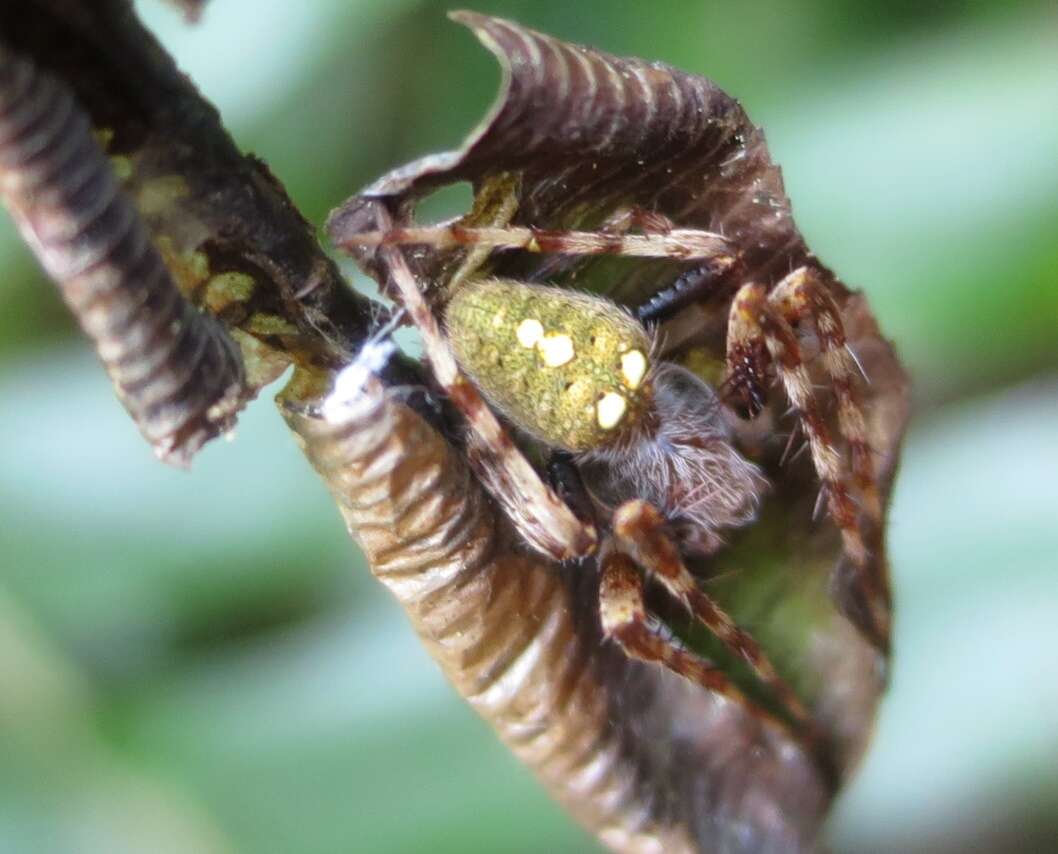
{"x":230,"y":236}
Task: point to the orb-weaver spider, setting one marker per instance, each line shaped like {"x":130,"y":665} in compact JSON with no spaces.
{"x":586,"y":377}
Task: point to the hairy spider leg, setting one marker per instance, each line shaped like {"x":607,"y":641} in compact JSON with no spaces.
{"x":690,"y":286}
{"x":544,"y":521}
{"x":495,"y":206}
{"x":802,"y":296}
{"x":651,"y":224}
{"x":640,"y":527}
{"x":626,"y":621}
{"x":758,"y":332}
{"x":565,"y":479}
{"x":676,"y":243}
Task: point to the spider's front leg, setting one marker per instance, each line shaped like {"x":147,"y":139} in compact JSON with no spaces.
{"x":801,"y":296}
{"x":543,"y":518}
{"x":490,"y":229}
{"x":659,"y":239}
{"x":640,"y":528}
{"x":760,"y":334}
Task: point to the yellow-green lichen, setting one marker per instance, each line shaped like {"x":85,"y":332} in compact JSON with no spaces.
{"x":262,"y":363}
{"x":158,"y":196}
{"x":119,"y":163}
{"x":568,"y":368}
{"x":270,"y":324}
{"x":704,"y":364}
{"x":122,"y":167}
{"x":103,"y":136}
{"x":189,"y":269}
{"x":306,"y":385}
{"x":226,"y":289}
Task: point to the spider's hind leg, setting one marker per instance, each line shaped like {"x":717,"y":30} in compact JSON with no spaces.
{"x":641,"y":529}
{"x":625,"y":620}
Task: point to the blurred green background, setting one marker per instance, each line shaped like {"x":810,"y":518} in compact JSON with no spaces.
{"x":202,"y":663}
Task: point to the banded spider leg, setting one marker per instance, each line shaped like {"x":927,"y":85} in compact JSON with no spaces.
{"x":640,"y":528}
{"x":542,"y":517}
{"x":642,"y":545}
{"x":659,"y":238}
{"x":761,"y":333}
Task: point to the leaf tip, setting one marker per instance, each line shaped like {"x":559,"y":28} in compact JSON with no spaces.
{"x":482,"y":26}
{"x":465,"y":17}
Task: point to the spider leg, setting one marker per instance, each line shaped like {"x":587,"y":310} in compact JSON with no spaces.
{"x":640,"y":527}
{"x":675,"y":243}
{"x":565,"y":479}
{"x":757,"y":333}
{"x":799,"y":296}
{"x":542,"y":518}
{"x":693,"y":285}
{"x":618,"y":223}
{"x":625,"y":621}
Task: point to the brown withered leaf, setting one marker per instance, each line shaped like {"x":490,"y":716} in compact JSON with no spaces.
{"x":643,"y":759}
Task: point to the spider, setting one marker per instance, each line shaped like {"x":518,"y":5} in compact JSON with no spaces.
{"x":586,"y":378}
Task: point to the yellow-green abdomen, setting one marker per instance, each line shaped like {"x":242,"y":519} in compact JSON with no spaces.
{"x":568,"y":368}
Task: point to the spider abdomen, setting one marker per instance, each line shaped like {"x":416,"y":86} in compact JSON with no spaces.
{"x":569,"y":368}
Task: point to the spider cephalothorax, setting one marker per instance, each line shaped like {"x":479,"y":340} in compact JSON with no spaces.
{"x":686,"y":464}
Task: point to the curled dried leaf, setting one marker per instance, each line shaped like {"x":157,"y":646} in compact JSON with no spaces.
{"x":641,"y":758}
{"x":579,"y":138}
